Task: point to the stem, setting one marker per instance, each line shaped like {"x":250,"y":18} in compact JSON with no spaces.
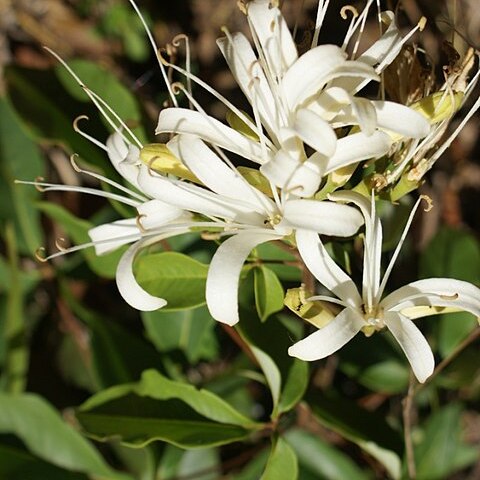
{"x":407,"y":428}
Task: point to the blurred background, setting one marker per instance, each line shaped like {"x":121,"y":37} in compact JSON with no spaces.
{"x":64,"y":330}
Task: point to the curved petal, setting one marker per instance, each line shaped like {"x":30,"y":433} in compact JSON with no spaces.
{"x":156,"y":213}
{"x":272,"y":31}
{"x":215,"y":174}
{"x":224,"y":274}
{"x":127,"y":285}
{"x":413,"y":343}
{"x":110,"y":236}
{"x":241,"y":60}
{"x":437,"y":292}
{"x":311,"y":72}
{"x":330,"y":338}
{"x":183,"y":120}
{"x":315,"y":131}
{"x":358,"y":147}
{"x":195,"y":199}
{"x":118,"y":152}
{"x":300,"y":178}
{"x":324,"y":217}
{"x":324,"y":268}
{"x":400,"y":119}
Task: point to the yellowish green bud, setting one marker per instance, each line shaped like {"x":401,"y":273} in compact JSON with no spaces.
{"x":240,"y":126}
{"x":439,"y":106}
{"x":159,"y":158}
{"x":256,"y":179}
{"x":317,"y":313}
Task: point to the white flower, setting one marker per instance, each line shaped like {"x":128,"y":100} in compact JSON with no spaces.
{"x":297,"y":101}
{"x":246,"y":214}
{"x":367,"y":311}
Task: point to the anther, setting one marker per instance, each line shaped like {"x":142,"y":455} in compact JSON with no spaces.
{"x":40,"y":254}
{"x":348,"y":8}
{"x":75,"y":122}
{"x":38,"y":187}
{"x":179,"y":38}
{"x":138,"y":222}
{"x":74,"y":163}
{"x":429,"y":202}
{"x":449,"y":297}
{"x":58,"y":243}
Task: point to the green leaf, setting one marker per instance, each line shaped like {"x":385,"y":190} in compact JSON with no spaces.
{"x":452,"y":254}
{"x":47,"y":436}
{"x":18,"y":464}
{"x":368,"y":430}
{"x":105,"y":84}
{"x":157,"y":408}
{"x":282,"y":462}
{"x":322,"y":460}
{"x":20,"y":160}
{"x":188,"y":330}
{"x":268,"y":292}
{"x":295,"y":384}
{"x":442,"y":451}
{"x":176,"y":277}
{"x":77,"y":229}
{"x":389,"y":376}
{"x":117,"y":355}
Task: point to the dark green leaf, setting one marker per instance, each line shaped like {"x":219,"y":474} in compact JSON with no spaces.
{"x":188,"y":330}
{"x":173,"y":276}
{"x":442,"y":451}
{"x":157,"y":408}
{"x":282,"y":462}
{"x":47,"y":436}
{"x":268,"y":292}
{"x":322,"y":460}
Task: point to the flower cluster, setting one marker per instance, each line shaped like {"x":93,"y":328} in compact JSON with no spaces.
{"x":308,"y":131}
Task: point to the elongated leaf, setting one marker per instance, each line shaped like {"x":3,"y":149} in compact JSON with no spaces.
{"x":442,"y":451}
{"x":173,"y":276}
{"x":157,"y":408}
{"x":20,"y":159}
{"x":322,"y":460}
{"x":44,"y":433}
{"x":282,"y":462}
{"x":295,"y":384}
{"x":452,"y":254}
{"x":268,"y":292}
{"x":355,"y":424}
{"x":189,"y":330}
{"x":76,"y":228}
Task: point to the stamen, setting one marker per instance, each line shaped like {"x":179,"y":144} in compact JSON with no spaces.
{"x":321,"y":11}
{"x":105,"y":179}
{"x":348,"y":8}
{"x":449,"y":297}
{"x":138,"y":222}
{"x":156,"y":50}
{"x":176,"y":42}
{"x":38,"y":181}
{"x":398,"y":248}
{"x":429,"y":202}
{"x":58,"y":243}
{"x":324,"y":298}
{"x":86,"y":135}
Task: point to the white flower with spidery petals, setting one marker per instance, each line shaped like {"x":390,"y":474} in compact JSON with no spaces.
{"x":367,"y":310}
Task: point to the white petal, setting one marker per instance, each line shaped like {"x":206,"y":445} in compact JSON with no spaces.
{"x":182,"y":120}
{"x":244,"y":66}
{"x":324,"y":268}
{"x":330,"y":338}
{"x":437,"y":292}
{"x":358,"y":147}
{"x":274,"y":36}
{"x":316,"y":132}
{"x":224,"y":274}
{"x":156,"y":213}
{"x":311,"y":72}
{"x":373,"y":240}
{"x":118,"y":151}
{"x":365,"y":113}
{"x":401,"y":119}
{"x":413,"y":343}
{"x":110,"y":236}
{"x":128,"y":287}
{"x":195,"y":199}
{"x":329,"y":102}
{"x":324,"y":217}
{"x":300,"y":178}
{"x":215,"y":174}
